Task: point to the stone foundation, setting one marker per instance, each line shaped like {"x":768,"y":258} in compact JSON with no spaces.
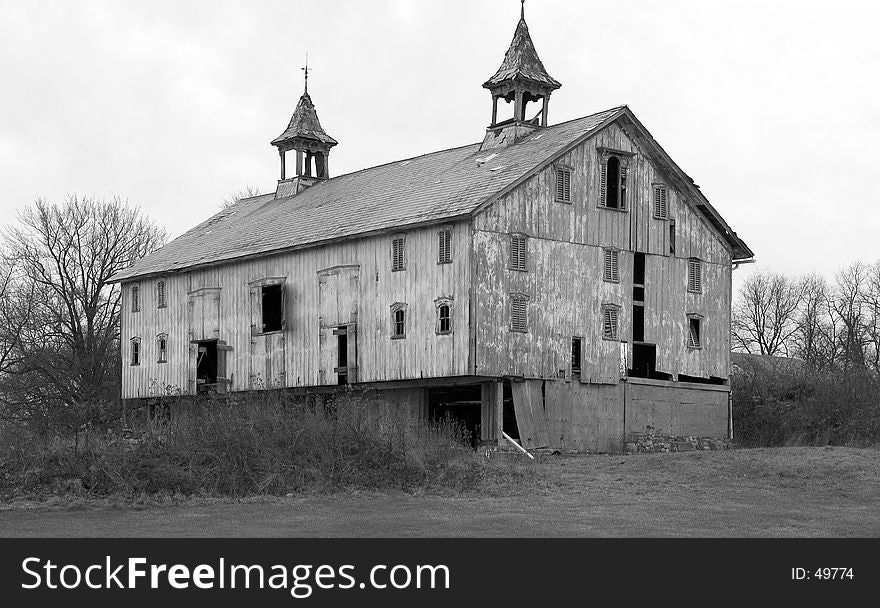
{"x":648,"y":442}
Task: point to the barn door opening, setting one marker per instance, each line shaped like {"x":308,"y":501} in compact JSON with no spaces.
{"x":211,"y":374}
{"x":459,"y":406}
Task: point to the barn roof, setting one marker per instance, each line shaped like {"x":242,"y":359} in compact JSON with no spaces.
{"x":304,"y":124}
{"x":426,"y":189}
{"x":521,"y":62}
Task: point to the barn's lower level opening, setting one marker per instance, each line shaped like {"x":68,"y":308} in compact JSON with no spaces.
{"x":459,"y":405}
{"x":206,"y":365}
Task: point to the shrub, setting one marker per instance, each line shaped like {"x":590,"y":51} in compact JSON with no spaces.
{"x":262,"y":443}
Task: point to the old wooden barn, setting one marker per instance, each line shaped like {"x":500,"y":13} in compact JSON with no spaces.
{"x":567,"y":284}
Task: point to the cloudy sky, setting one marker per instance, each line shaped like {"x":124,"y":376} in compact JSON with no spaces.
{"x":772,"y":107}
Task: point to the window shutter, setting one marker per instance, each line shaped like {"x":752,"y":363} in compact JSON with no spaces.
{"x":135,"y":298}
{"x":664,"y":206}
{"x":518,"y":246}
{"x":160,"y":294}
{"x":694,"y":333}
{"x":695,"y":278}
{"x":609,"y":328}
{"x":398,"y":254}
{"x":623,"y":175}
{"x":445,"y":251}
{"x":603,"y":183}
{"x":612,"y":265}
{"x":563,"y":185}
{"x":518,"y":313}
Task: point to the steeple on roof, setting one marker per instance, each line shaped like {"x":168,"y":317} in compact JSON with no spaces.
{"x":521,"y":62}
{"x":304,"y":124}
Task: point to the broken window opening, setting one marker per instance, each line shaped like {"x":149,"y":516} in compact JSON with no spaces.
{"x":162,"y":346}
{"x":206,"y":365}
{"x":610,"y":316}
{"x":135,"y":351}
{"x":273,"y":308}
{"x":639,"y":268}
{"x":694,"y":332}
{"x":398,"y":253}
{"x":671,"y":237}
{"x":576,"y":350}
{"x":612,"y":193}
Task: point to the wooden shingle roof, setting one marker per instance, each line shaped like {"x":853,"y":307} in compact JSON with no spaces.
{"x":429,"y":188}
{"x":521,"y":62}
{"x":304,"y":124}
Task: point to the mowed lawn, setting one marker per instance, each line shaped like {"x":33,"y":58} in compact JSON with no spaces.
{"x":785,"y":492}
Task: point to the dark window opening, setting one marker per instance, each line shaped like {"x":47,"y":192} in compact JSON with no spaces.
{"x":576,"y":346}
{"x":399,"y":323}
{"x":612,"y":194}
{"x":644,"y":361}
{"x":638,"y":293}
{"x":639,"y":268}
{"x":671,"y":237}
{"x":638,"y":323}
{"x":273,"y":309}
{"x":444,"y":319}
{"x":694,"y":337}
{"x":698,"y":380}
{"x":509,"y":426}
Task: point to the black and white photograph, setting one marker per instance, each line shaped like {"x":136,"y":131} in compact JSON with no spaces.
{"x":292,"y":290}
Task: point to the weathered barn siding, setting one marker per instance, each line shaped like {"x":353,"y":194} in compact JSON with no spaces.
{"x":585,"y":417}
{"x":422,"y":354}
{"x":565,"y":283}
{"x":682,"y":409}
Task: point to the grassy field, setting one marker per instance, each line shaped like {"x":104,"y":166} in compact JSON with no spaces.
{"x":783,"y":492}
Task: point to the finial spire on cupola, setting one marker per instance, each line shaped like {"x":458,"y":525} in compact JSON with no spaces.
{"x":521,"y":79}
{"x":304,"y":135}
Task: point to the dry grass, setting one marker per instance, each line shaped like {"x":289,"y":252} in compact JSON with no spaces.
{"x":802,"y":491}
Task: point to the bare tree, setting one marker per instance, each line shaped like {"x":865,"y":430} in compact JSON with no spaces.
{"x":764,"y":315}
{"x":814,"y":340}
{"x":66,"y":254}
{"x":847,"y":308}
{"x":233,"y":197}
{"x":16,"y":304}
{"x":872,"y":325}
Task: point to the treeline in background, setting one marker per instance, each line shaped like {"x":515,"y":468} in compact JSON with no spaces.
{"x":807,"y":358}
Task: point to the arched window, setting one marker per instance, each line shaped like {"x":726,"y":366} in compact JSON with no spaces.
{"x":444,"y":315}
{"x":612,"y":197}
{"x":398,"y":320}
{"x":135,"y":351}
{"x":162,"y":347}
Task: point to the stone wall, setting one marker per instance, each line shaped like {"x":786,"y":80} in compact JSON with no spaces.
{"x":650,"y":443}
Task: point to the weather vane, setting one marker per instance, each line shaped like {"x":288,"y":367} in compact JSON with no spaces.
{"x":306,"y":70}
{"x":522,"y":13}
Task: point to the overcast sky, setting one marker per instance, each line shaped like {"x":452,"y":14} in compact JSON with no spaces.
{"x":772,"y":107}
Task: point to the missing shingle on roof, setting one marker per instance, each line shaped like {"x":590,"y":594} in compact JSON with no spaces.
{"x":481,"y":161}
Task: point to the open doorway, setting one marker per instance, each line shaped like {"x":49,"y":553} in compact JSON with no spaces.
{"x":211,"y":366}
{"x":459,"y":405}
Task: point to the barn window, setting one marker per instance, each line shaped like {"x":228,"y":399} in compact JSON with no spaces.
{"x":273,"y":307}
{"x":661,"y":202}
{"x":671,"y":237}
{"x":576,"y":350}
{"x":695,"y":276}
{"x":695,"y":338}
{"x":162,"y":347}
{"x":444,"y":315}
{"x":518,"y":247}
{"x":563,"y":184}
{"x":610,"y":318}
{"x":611,"y":270}
{"x":398,"y":253}
{"x":613,"y":176}
{"x":160,"y":294}
{"x":398,"y":320}
{"x":135,"y":298}
{"x":444,"y":247}
{"x":135,"y":348}
{"x":519,"y":312}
